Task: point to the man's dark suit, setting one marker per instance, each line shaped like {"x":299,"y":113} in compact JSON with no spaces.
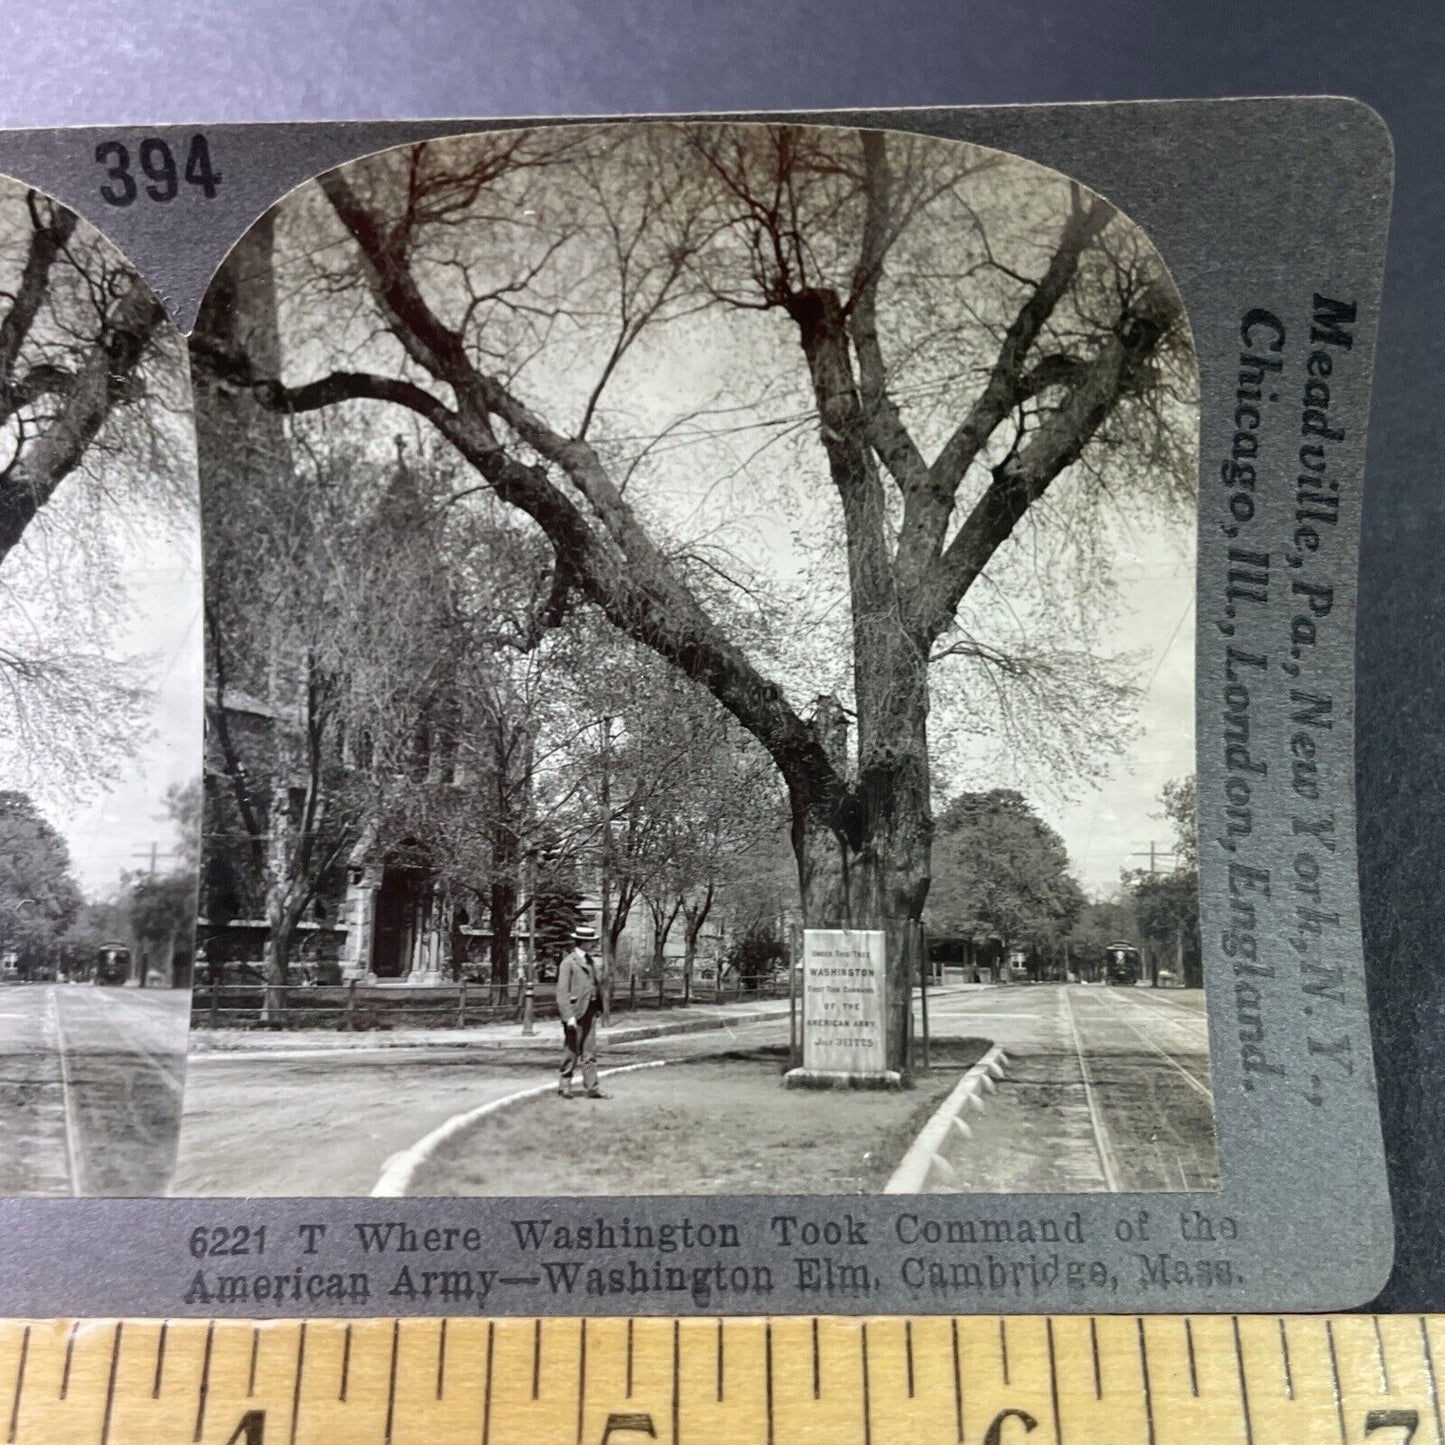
{"x":579,"y":998}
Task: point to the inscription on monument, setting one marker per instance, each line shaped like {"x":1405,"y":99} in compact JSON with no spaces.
{"x":843,"y":972}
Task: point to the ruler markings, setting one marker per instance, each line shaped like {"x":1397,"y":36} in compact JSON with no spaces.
{"x":205,"y":1387}
{"x":1243,"y":1383}
{"x":390,"y":1381}
{"x":296,"y":1386}
{"x":19,"y":1386}
{"x":110,"y":1383}
{"x":255,"y":1352}
{"x":487,"y":1390}
{"x":69,"y":1356}
{"x":1054,"y":1381}
{"x":957,"y":1385}
{"x":537,"y":1359}
{"x":160,"y":1362}
{"x":676,"y":1381}
{"x":582,"y":1379}
{"x":867,"y":1393}
{"x":345,"y":1364}
{"x":719,"y":1356}
{"x":768,"y":1375}
{"x":1144,"y":1375}
{"x":904,"y":1380}
{"x":1335,"y":1375}
{"x":1430,"y":1375}
{"x":1003,"y":1347}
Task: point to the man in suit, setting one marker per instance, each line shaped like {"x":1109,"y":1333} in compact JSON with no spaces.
{"x":579,"y":1001}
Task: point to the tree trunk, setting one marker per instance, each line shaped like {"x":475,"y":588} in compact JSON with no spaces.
{"x":281,"y":919}
{"x":501,"y":906}
{"x":865,"y":861}
{"x":689,"y":958}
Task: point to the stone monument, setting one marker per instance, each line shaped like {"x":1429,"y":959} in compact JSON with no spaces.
{"x":845,"y":1042}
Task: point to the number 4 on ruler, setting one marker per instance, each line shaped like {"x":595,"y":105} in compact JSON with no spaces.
{"x":251,"y":1430}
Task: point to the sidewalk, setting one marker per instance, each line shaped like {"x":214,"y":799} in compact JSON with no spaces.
{"x":626,"y":1028}
{"x":488,"y":1038}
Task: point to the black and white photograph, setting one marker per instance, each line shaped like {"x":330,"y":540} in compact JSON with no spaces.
{"x":699,"y":678}
{"x":100,"y":712}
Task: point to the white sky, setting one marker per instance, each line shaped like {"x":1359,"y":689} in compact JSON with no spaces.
{"x":1106,"y":829}
{"x":108,"y":835}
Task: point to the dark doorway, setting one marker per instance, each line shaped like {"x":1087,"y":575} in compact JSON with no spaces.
{"x":395,"y":923}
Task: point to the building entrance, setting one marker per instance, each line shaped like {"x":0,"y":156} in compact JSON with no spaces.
{"x":396,"y":922}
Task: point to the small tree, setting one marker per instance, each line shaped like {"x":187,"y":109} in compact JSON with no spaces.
{"x":757,"y":954}
{"x":38,"y":894}
{"x":162,"y":916}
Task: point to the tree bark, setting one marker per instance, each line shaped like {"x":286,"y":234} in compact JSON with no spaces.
{"x":501,"y":908}
{"x":101,"y":377}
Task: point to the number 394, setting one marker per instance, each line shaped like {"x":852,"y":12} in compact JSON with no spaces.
{"x":160,"y":176}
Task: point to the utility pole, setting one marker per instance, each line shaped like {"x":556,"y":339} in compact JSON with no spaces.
{"x":153,"y":854}
{"x":1154,"y":855}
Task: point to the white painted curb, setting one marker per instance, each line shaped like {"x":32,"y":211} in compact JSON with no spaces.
{"x":925,"y":1156}
{"x":398,"y":1171}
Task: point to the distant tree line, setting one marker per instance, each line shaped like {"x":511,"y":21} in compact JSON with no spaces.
{"x":50,"y":930}
{"x":1002,"y":882}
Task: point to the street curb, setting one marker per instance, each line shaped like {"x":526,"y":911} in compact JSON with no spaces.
{"x":399,"y":1171}
{"x":924,"y":1157}
{"x":684,"y":1026}
{"x":373,"y":1041}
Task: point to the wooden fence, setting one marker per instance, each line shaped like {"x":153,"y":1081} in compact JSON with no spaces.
{"x":357,"y":1006}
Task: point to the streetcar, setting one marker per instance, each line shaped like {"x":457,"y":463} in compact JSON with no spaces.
{"x":112,"y":964}
{"x":1122,"y":964}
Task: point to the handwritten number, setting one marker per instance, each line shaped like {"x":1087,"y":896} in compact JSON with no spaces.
{"x":113,"y":154}
{"x":1406,"y":1420}
{"x":251,"y":1430}
{"x":158,"y":165}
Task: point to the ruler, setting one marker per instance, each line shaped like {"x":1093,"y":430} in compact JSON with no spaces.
{"x":1112,"y":1379}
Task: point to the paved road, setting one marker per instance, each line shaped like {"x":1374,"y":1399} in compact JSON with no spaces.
{"x":90,"y":1088}
{"x":343,"y":1113}
{"x":1107,"y":1089}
